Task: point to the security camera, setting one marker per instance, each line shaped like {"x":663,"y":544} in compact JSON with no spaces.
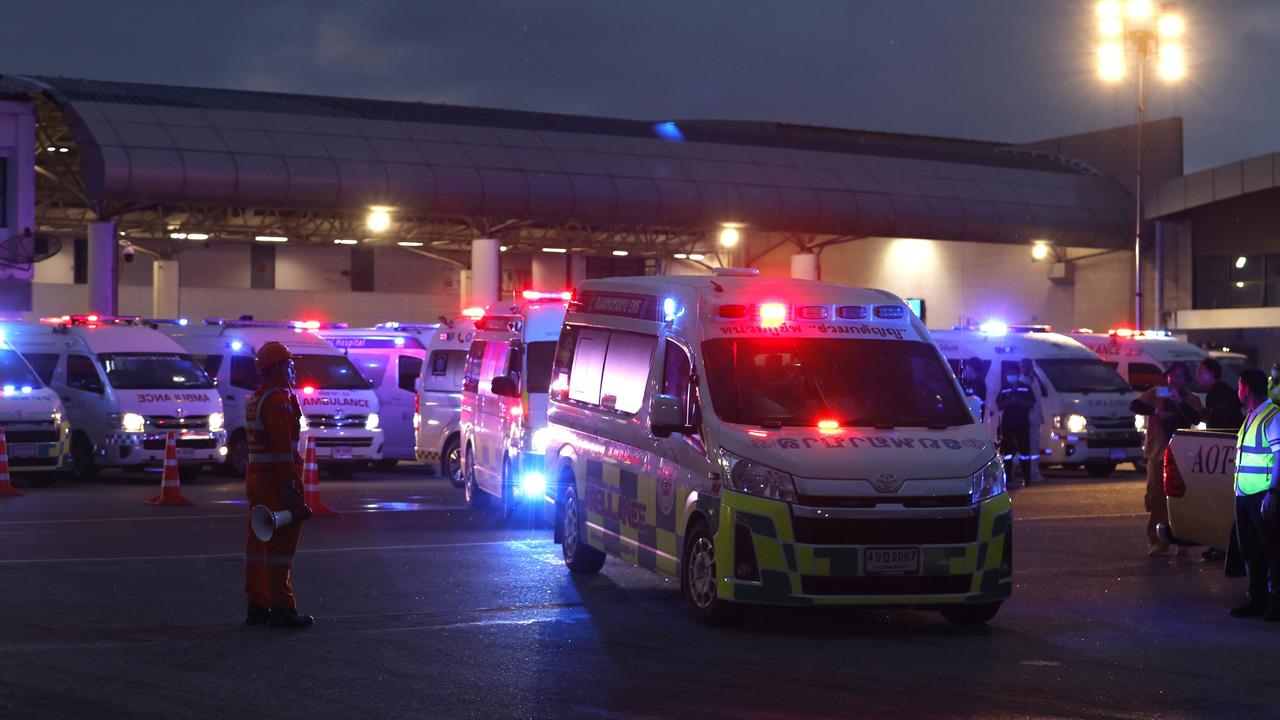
{"x":128,"y":252}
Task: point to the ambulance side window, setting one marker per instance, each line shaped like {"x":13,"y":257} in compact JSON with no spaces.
{"x":495,"y":363}
{"x":587,"y":366}
{"x":82,"y":375}
{"x":677,"y":375}
{"x":626,"y":371}
{"x":211,"y":364}
{"x":244,"y":373}
{"x":410,"y":367}
{"x":475,"y":361}
{"x":44,"y":364}
{"x":439,"y":363}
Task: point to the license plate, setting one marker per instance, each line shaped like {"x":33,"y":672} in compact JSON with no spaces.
{"x":342,"y":453}
{"x":1117,"y":454}
{"x":891,"y":561}
{"x":22,"y":451}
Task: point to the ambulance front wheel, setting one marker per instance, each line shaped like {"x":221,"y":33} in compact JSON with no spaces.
{"x":699,"y":580}
{"x":578,"y":555}
{"x":970,"y":615}
{"x":477,"y":499}
{"x":82,"y":462}
{"x":1100,"y":469}
{"x":451,"y":462}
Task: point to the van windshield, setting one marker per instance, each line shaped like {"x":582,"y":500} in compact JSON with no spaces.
{"x":870,"y":383}
{"x":1082,"y":375}
{"x":154,"y":371}
{"x":15,"y":371}
{"x":538,"y":361}
{"x":328,"y":372}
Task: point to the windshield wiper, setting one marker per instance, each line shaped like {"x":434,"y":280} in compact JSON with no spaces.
{"x":930,"y":424}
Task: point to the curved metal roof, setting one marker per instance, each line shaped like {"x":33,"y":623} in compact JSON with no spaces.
{"x":161,"y":144}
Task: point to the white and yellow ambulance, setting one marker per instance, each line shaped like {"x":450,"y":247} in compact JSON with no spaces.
{"x":124,"y":386}
{"x":1141,"y":357}
{"x":504,"y":401}
{"x":768,"y":440}
{"x":35,"y":426}
{"x":339,"y":407}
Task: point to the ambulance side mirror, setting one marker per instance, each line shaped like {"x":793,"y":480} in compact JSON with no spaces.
{"x":505,"y":386}
{"x":666,"y":416}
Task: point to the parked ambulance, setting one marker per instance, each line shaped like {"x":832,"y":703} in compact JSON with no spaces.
{"x":390,"y":357}
{"x":1141,"y":357}
{"x":1233,"y":363}
{"x":769,"y":440}
{"x":35,"y":427}
{"x":124,"y":387}
{"x":439,"y":409}
{"x":504,"y":401}
{"x":339,"y":408}
{"x":1084,"y":402}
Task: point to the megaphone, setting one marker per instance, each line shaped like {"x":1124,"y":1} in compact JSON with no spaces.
{"x":266,"y":522}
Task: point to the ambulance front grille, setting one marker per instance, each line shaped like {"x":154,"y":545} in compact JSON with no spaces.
{"x":362,"y":442}
{"x":336,"y":421}
{"x":20,"y":431}
{"x":889,"y":531}
{"x":171,"y":422}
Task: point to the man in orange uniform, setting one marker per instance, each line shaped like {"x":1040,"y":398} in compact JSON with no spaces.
{"x":275,"y":480}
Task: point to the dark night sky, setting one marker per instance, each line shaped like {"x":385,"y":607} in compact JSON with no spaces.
{"x":1011,"y":70}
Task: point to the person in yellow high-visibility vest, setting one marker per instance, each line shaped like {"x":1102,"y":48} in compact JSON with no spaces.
{"x":1258,"y":497}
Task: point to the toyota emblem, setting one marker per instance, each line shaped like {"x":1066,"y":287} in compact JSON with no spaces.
{"x":887,"y":483}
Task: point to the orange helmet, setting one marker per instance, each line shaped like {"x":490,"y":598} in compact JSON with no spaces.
{"x":271,"y":353}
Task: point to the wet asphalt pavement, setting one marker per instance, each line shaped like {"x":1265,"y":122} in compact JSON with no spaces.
{"x":112,"y":608}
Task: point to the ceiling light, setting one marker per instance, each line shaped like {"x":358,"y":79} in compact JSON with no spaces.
{"x":554,"y":250}
{"x":271,"y":238}
{"x":378,"y":220}
{"x":345,"y":241}
{"x":620,"y":253}
{"x":409,"y":243}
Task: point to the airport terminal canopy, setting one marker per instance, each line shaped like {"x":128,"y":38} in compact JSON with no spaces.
{"x":239,"y":162}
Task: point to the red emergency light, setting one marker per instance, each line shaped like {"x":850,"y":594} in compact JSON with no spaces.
{"x":828,"y":426}
{"x":473,"y":313}
{"x":565,"y":295}
{"x":772,"y":314}
{"x":308,"y":389}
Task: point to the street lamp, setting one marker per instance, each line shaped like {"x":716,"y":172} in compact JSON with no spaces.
{"x":1136,"y":25}
{"x":378,"y":220}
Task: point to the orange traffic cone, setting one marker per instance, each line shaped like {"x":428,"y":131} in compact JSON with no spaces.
{"x":6,"y":486}
{"x":170,"y":483}
{"x":311,"y":482}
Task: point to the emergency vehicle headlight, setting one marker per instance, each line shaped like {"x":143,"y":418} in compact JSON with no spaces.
{"x":540,"y":439}
{"x":987,"y":482}
{"x":1140,"y":423}
{"x":753,"y":478}
{"x":302,"y":422}
{"x":1076,"y":424}
{"x":372,"y":422}
{"x":215,"y":422}
{"x":56,"y":417}
{"x":132,"y":422}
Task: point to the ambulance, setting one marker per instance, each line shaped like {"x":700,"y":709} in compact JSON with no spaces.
{"x":504,"y":402}
{"x":1233,"y":363}
{"x":438,"y":418}
{"x":390,"y":357}
{"x":339,"y":407}
{"x":1141,"y":356}
{"x":1084,"y":403}
{"x":124,"y":387}
{"x":35,"y":427}
{"x":777,"y":441}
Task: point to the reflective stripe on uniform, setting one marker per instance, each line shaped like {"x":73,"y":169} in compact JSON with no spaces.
{"x":1254,"y":462}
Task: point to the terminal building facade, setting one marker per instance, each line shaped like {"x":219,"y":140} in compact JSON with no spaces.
{"x":162,"y":201}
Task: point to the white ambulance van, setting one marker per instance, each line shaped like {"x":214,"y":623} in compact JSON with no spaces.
{"x":769,"y":440}
{"x":1084,"y":402}
{"x":124,"y":387}
{"x":391,"y":360}
{"x":339,"y":407}
{"x":35,"y":426}
{"x":504,"y":401}
{"x":1141,"y":357}
{"x":439,"y":408}
{"x":1233,"y":363}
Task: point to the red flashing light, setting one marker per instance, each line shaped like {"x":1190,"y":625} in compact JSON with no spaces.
{"x":473,"y":313}
{"x":308,"y":389}
{"x":1121,"y":332}
{"x":91,"y":318}
{"x":733,"y":312}
{"x":516,"y":411}
{"x":306,"y":324}
{"x":828,"y":425}
{"x":1174,"y":486}
{"x":772,"y":314}
{"x":758,"y":433}
{"x":565,"y":295}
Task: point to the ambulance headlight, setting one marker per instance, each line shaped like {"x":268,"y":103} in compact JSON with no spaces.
{"x":539,"y":441}
{"x":132,"y":422}
{"x":215,"y":422}
{"x":302,"y":422}
{"x":750,"y":477}
{"x":56,"y":417}
{"x":987,"y":482}
{"x":372,"y":422}
{"x":1076,"y":424}
{"x":1140,"y":423}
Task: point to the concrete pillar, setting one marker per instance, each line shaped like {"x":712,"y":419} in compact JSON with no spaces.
{"x":577,"y":269}
{"x":103,"y":275}
{"x":804,"y":266}
{"x":550,"y":272}
{"x":464,"y":289}
{"x":164,"y":288}
{"x":485,"y":278}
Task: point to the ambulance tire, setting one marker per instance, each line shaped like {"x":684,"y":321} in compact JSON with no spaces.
{"x":477,"y":499}
{"x":237,"y":463}
{"x":579,"y":556}
{"x":508,"y":498}
{"x":699,"y":579}
{"x":451,"y":462}
{"x":1099,"y":469}
{"x":970,"y":615}
{"x":82,"y":462}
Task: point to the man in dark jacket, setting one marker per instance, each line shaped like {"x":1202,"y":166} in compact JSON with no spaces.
{"x":1221,"y":402}
{"x":1015,"y":403}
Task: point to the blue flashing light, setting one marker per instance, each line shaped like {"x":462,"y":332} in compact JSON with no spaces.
{"x":9,"y":389}
{"x":533,"y":484}
{"x":668,"y":131}
{"x":669,"y":309}
{"x":399,"y":342}
{"x":852,"y":312}
{"x":26,"y":389}
{"x":993,"y":327}
{"x":236,"y":346}
{"x":891,"y":312}
{"x":182,"y":322}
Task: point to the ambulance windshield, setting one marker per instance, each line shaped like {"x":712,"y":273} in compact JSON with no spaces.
{"x":154,"y":371}
{"x":870,"y":383}
{"x":15,"y":371}
{"x":328,"y":372}
{"x":1082,"y":375}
